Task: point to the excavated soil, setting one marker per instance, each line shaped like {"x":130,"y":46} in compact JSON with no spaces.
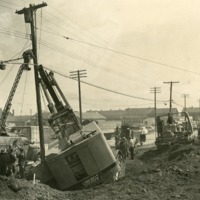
{"x":168,"y":173}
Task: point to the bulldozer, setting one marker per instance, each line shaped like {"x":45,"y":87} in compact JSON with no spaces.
{"x":177,"y":130}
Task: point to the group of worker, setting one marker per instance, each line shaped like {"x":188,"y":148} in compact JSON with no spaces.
{"x":126,"y":144}
{"x":12,"y":161}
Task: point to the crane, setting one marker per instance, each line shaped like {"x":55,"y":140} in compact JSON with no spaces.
{"x":27,"y":55}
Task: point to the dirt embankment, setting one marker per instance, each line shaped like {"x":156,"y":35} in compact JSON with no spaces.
{"x":167,"y":173}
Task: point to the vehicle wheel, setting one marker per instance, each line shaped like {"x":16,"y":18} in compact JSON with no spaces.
{"x":122,"y":164}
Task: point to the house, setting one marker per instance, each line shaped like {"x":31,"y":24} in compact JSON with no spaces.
{"x":91,"y":116}
{"x":136,"y":115}
{"x":162,"y":111}
{"x":45,"y":118}
{"x":112,"y":114}
{"x":22,"y":120}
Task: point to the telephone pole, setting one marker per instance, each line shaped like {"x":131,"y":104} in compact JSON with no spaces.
{"x":155,"y":90}
{"x":170,"y":100}
{"x":185,"y":96}
{"x":77,"y":75}
{"x":29,"y":17}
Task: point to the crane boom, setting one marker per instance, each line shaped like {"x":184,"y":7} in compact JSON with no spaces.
{"x":63,"y":120}
{"x":26,"y":55}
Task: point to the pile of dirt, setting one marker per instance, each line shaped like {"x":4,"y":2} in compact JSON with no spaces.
{"x":168,"y":173}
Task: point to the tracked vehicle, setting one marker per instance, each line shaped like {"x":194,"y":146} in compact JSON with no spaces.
{"x":180,"y":131}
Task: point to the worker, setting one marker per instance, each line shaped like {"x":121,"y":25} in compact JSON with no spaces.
{"x":124,"y":147}
{"x":132,"y":144}
{"x":21,"y":162}
{"x":117,"y":138}
{"x":159,"y":123}
{"x":4,"y":159}
{"x":128,"y":133}
{"x":143,"y":136}
{"x":12,"y":160}
{"x":170,"y":119}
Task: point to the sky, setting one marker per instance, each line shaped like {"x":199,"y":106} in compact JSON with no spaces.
{"x":146,"y":32}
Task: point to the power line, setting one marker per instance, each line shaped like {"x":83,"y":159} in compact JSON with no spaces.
{"x":129,"y":55}
{"x":102,"y":88}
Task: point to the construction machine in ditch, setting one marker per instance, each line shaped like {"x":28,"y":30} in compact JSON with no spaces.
{"x":82,"y":156}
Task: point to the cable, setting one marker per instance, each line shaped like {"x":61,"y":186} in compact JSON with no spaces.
{"x":102,"y":88}
{"x":5,"y":77}
{"x":23,"y":95}
{"x":10,"y":3}
{"x":177,"y":104}
{"x":133,"y":56}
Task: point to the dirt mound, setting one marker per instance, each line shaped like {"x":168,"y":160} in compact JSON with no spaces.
{"x":28,"y":191}
{"x":168,"y":173}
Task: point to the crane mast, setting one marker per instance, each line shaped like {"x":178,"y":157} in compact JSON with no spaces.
{"x":27,"y":55}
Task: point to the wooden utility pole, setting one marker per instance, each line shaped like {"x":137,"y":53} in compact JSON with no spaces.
{"x":29,"y":16}
{"x":77,"y":75}
{"x":185,"y":96}
{"x":170,"y":100}
{"x":155,"y":90}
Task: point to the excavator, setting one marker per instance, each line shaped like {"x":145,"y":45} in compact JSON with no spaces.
{"x":80,"y":155}
{"x":7,"y":139}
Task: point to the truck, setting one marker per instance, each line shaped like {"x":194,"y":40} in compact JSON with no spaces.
{"x":180,"y":131}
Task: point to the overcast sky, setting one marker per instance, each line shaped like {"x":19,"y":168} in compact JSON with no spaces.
{"x":166,"y":31}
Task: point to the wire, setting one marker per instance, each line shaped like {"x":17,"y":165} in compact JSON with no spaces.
{"x":177,"y":104}
{"x":5,"y":77}
{"x":23,"y":95}
{"x":102,"y":88}
{"x":10,"y":3}
{"x":133,"y":56}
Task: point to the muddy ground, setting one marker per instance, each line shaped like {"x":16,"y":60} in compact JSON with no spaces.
{"x":168,"y":173}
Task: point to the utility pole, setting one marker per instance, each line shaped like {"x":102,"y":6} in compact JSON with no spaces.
{"x":155,"y":90}
{"x":199,"y":105}
{"x":77,"y":75}
{"x":170,"y":100}
{"x":30,"y":16}
{"x":185,"y":96}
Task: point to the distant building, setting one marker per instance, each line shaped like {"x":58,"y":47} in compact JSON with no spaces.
{"x":45,"y":117}
{"x":23,"y":120}
{"x":194,"y":112}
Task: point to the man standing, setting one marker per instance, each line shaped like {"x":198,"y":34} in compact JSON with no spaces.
{"x":21,"y":162}
{"x":12,"y":159}
{"x":4,"y":160}
{"x":124,"y":147}
{"x":132,"y":143}
{"x":159,"y":126}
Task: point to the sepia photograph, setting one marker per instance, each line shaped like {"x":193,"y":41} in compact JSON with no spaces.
{"x":99,"y":100}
